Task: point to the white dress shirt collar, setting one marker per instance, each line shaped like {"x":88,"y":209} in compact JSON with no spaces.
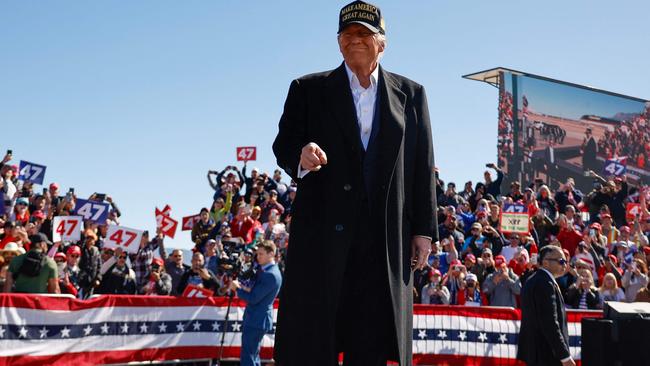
{"x":354,"y":80}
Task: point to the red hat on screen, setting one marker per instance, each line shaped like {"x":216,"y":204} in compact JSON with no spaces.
{"x":625,"y":229}
{"x":613,"y":258}
{"x":15,"y":169}
{"x":60,"y":256}
{"x":646,"y":250}
{"x":499,"y":261}
{"x":434,"y":272}
{"x":471,"y":258}
{"x":455,"y":262}
{"x":73,"y":249}
{"x":54,"y":186}
{"x":481,"y":214}
{"x":158,"y":261}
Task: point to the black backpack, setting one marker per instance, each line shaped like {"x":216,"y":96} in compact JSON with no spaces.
{"x":32,"y":263}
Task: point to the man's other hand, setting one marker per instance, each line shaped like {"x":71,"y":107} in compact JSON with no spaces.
{"x":312,"y":157}
{"x":421,"y":248}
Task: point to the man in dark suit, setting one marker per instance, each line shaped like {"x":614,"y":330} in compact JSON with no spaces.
{"x":258,"y":316}
{"x":543,"y":337}
{"x":357,"y":141}
{"x":589,"y":151}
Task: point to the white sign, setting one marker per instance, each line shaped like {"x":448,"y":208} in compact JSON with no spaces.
{"x":66,"y":228}
{"x":123,"y":237}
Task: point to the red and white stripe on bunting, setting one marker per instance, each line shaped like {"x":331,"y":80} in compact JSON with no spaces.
{"x":119,"y":329}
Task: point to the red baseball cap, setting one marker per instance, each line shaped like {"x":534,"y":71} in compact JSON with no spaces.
{"x":500,"y":260}
{"x":613,"y":258}
{"x":434,"y":272}
{"x":605,"y":216}
{"x":38,"y":214}
{"x":471,"y":258}
{"x":73,"y":249}
{"x":646,"y":250}
{"x":60,"y":256}
{"x":625,"y":228}
{"x":158,"y":262}
{"x":596,"y":226}
{"x":54,"y":186}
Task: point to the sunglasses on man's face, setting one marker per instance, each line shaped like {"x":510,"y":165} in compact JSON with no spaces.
{"x":561,"y":261}
{"x":122,"y":257}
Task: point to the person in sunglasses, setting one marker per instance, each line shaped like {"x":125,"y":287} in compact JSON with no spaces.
{"x":543,"y":335}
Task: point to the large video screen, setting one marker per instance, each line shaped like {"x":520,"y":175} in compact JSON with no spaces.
{"x":551,"y":130}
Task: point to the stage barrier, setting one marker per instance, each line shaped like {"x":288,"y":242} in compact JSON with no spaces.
{"x":117,"y":329}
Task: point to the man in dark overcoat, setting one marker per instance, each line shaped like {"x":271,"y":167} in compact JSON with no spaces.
{"x":357,"y":141}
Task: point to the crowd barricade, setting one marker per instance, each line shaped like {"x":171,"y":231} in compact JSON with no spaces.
{"x":117,"y":329}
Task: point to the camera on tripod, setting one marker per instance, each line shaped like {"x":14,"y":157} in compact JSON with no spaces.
{"x":235,"y":264}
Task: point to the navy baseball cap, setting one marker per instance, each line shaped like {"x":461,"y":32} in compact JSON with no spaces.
{"x":363,"y":13}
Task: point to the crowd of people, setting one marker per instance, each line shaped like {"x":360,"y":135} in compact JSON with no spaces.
{"x":477,"y":264}
{"x":246,"y":210}
{"x":474,"y":263}
{"x":630,"y":138}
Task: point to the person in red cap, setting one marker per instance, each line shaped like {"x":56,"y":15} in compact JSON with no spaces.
{"x":607,"y":229}
{"x":362,"y":156}
{"x":568,"y":236}
{"x":160,"y":282}
{"x":502,"y":286}
{"x":610,"y":265}
{"x":434,"y":292}
{"x":454,"y":280}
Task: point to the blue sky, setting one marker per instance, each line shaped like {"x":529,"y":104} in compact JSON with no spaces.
{"x":140,"y":99}
{"x":567,"y":101}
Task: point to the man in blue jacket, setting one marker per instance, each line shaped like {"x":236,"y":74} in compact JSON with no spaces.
{"x":258,"y":316}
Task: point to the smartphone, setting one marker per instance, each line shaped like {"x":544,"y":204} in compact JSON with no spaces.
{"x":10,"y":152}
{"x":592,"y":232}
{"x":71,"y":191}
{"x":100,"y":196}
{"x":44,"y":190}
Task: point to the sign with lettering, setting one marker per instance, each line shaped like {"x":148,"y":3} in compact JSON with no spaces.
{"x":514,"y":219}
{"x":66,"y":228}
{"x":31,"y":172}
{"x":246,"y":153}
{"x":123,"y":237}
{"x":92,"y":210}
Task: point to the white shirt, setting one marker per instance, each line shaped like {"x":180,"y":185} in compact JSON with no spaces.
{"x":364,"y":102}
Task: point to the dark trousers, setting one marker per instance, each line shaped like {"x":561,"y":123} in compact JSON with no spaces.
{"x":365,"y":329}
{"x":251,"y":341}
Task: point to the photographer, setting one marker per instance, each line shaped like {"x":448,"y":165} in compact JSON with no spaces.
{"x":258,"y":316}
{"x":198,"y":275}
{"x":160,"y":283}
{"x":433,"y":292}
{"x":502,"y":285}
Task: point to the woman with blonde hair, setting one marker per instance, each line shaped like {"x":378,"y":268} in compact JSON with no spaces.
{"x":609,"y":290}
{"x":582,"y":294}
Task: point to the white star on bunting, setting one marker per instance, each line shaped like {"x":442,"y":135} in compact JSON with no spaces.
{"x":179,"y":327}
{"x":144,"y":328}
{"x":104,"y":328}
{"x":215,"y":326}
{"x":422,"y":333}
{"x":162,"y":328}
{"x":482,"y":336}
{"x":65,"y":332}
{"x":43,"y":332}
{"x":236,"y":327}
{"x":197,"y":325}
{"x":23,"y":332}
{"x":87,"y":330}
{"x":462,"y":335}
{"x":442,"y":334}
{"x":503,"y":338}
{"x":2,"y":332}
{"x":125,"y":328}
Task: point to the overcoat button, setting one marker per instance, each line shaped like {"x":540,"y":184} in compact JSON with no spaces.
{"x":338,"y":227}
{"x":347,"y":187}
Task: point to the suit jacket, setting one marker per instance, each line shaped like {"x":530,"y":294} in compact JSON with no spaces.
{"x":543,"y":336}
{"x":320,"y":109}
{"x":259,"y":302}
